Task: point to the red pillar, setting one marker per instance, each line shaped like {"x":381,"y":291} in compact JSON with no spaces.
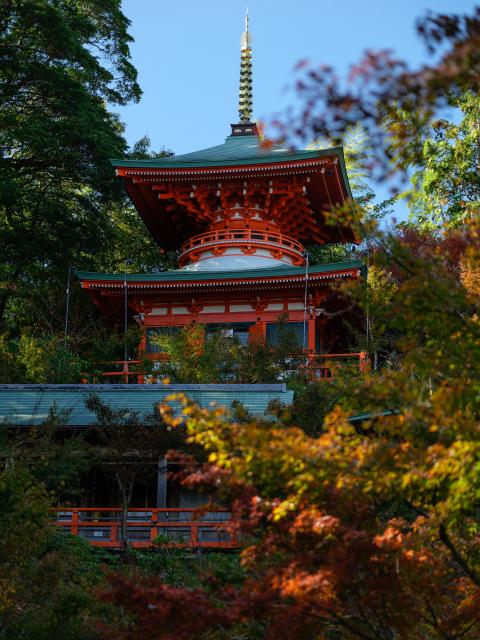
{"x":311,"y":335}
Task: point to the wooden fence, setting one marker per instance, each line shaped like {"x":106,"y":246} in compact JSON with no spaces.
{"x":147,"y":528}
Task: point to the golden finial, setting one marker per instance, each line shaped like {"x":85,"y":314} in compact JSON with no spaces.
{"x":245,"y":94}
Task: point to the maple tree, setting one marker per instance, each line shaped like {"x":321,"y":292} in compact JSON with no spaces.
{"x":395,"y":103}
{"x":369,"y":530}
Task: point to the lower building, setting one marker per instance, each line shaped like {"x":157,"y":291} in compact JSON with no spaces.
{"x":161,"y":510}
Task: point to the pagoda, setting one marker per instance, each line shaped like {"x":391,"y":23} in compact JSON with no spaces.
{"x":240,"y":216}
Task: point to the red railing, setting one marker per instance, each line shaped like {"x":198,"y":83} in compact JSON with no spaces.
{"x":147,"y":528}
{"x":324,"y":366}
{"x":242,"y":237}
{"x":122,"y":371}
{"x":320,"y":367}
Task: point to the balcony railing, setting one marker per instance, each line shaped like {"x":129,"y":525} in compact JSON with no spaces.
{"x":118,"y":371}
{"x":325,"y":366}
{"x":148,"y":528}
{"x":241,"y":238}
{"x":319,"y":366}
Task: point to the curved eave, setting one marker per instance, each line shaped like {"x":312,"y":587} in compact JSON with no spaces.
{"x":170,"y":231}
{"x":282,"y":276}
{"x":258,"y":159}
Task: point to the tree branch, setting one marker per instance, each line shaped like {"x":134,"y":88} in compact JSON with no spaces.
{"x":447,"y":541}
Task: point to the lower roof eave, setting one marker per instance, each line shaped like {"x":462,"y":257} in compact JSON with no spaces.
{"x":221,"y":283}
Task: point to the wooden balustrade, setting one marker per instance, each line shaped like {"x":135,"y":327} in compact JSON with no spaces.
{"x":122,"y":371}
{"x":325,"y":365}
{"x":320,"y":367}
{"x":149,"y":527}
{"x":241,"y":238}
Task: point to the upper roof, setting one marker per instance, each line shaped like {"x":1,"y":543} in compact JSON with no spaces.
{"x":237,"y":151}
{"x":179,"y":196}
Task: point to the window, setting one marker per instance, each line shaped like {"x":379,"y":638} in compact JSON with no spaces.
{"x":237,"y":330}
{"x":278,"y":332}
{"x":153,"y":333}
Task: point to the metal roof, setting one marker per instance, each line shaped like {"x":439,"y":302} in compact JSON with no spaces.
{"x":193,"y":276}
{"x":362,"y":417}
{"x":29,"y":405}
{"x":236,"y":150}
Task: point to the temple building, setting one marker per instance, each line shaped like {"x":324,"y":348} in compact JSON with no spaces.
{"x":240,"y":215}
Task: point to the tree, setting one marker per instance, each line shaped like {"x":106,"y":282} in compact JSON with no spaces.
{"x":369,"y":330}
{"x":56,"y":458}
{"x":47,"y":578}
{"x":130,"y":245}
{"x":23,"y":519}
{"x":61,"y":64}
{"x":446,"y":190}
{"x":129,"y":448}
{"x":191,"y":356}
{"x":370,"y":530}
{"x":359,"y":158}
{"x":394,"y":103}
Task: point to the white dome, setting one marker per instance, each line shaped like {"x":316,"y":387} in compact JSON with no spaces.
{"x":235,"y":263}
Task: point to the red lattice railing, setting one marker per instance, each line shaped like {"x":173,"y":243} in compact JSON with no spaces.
{"x":244,"y":238}
{"x":149,"y":527}
{"x":324,"y":366}
{"x":320,"y":367}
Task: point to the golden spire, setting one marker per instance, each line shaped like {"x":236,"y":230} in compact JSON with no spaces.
{"x":245,"y":93}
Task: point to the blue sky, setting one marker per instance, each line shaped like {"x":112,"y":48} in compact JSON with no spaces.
{"x":187,"y":55}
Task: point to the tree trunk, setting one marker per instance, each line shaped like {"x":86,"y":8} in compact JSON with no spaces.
{"x":9,"y":287}
{"x":126,"y":490}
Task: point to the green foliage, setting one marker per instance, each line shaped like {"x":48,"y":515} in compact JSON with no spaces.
{"x":130,"y":240}
{"x":55,"y":460}
{"x":370,"y":332}
{"x":328,"y":253}
{"x":313,"y":401}
{"x":130,"y":245}
{"x":38,"y":360}
{"x":11,"y":370}
{"x":48,"y":360}
{"x":358,"y":155}
{"x":54,"y":597}
{"x":221,"y":359}
{"x":45,"y":580}
{"x":446,"y":189}
{"x":60,"y":65}
{"x":191,"y":359}
{"x":105,"y":346}
{"x":23,"y":516}
{"x":181,"y":569}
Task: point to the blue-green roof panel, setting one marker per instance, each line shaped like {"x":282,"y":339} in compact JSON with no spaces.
{"x":29,"y":405}
{"x":192,"y":276}
{"x":236,"y":150}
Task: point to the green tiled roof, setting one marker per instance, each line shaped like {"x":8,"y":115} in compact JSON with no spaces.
{"x":236,"y":150}
{"x":28,"y":405}
{"x":191,"y":276}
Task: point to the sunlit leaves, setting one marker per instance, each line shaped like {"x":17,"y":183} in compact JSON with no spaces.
{"x":369,"y":530}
